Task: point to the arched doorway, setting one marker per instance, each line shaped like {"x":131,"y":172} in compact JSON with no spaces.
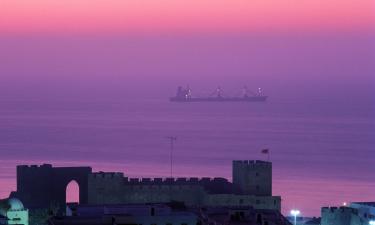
{"x":72,"y":192}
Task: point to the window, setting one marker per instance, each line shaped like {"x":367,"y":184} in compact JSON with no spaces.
{"x":237,"y":216}
{"x":241,"y":201}
{"x":257,"y":174}
{"x":257,"y":202}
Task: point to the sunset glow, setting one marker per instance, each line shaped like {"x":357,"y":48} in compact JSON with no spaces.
{"x":183,"y":16}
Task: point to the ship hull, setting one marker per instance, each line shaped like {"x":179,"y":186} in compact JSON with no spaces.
{"x":220,"y":99}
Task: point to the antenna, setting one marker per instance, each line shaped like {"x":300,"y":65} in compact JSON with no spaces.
{"x":172,"y":140}
{"x":260,"y":91}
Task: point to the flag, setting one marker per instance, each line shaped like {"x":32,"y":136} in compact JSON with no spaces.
{"x":265,"y":151}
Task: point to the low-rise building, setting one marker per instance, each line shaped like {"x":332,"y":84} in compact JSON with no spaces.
{"x":132,"y":214}
{"x":356,"y":214}
{"x":167,"y":214}
{"x":241,"y":216}
{"x":304,"y":220}
{"x":365,"y":209}
{"x":12,"y":211}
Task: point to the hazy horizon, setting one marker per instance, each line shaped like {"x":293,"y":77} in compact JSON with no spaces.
{"x":83,"y":78}
{"x":328,"y":66}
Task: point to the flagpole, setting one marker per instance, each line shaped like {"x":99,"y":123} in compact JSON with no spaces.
{"x":266,"y":151}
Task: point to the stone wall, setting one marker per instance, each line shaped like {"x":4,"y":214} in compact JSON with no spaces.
{"x":257,"y":202}
{"x":105,"y":188}
{"x":110,"y":188}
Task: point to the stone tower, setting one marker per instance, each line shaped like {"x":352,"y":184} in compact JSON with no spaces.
{"x":252,"y":177}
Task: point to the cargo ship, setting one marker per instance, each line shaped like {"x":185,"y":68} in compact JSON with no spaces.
{"x":185,"y":95}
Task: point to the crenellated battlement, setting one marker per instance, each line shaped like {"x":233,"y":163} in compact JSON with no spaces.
{"x":100,"y":175}
{"x":33,"y":167}
{"x":176,"y":181}
{"x":204,"y":181}
{"x":108,"y":181}
{"x":252,"y":163}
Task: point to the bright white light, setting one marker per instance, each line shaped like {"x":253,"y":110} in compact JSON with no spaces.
{"x":296,"y":212}
{"x":372,"y":222}
{"x":344,"y":204}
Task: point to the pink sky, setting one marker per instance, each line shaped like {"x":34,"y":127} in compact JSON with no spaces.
{"x":183,"y":15}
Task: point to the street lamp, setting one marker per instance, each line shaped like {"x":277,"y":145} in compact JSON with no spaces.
{"x":372,"y":222}
{"x":295,"y":213}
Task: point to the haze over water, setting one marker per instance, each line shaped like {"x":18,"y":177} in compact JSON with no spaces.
{"x":322,"y":151}
{"x":86,"y":83}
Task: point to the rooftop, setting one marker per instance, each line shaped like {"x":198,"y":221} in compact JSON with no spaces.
{"x":372,"y":204}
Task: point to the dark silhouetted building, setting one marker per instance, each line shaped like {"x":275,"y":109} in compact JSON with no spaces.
{"x":355,"y":214}
{"x":41,"y":186}
{"x":163,"y":214}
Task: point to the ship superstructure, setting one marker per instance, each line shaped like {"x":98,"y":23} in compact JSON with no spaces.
{"x":185,"y":95}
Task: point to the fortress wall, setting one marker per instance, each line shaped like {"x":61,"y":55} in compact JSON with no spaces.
{"x":257,"y":202}
{"x":114,"y":188}
{"x":190,"y":194}
{"x":105,"y":187}
{"x":103,"y":177}
{"x":178,"y":181}
{"x":109,"y":188}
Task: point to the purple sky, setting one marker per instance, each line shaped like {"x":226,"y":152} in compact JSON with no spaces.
{"x":315,"y":50}
{"x":331,"y":64}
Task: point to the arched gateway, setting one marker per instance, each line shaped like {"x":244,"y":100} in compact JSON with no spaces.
{"x":43,"y":186}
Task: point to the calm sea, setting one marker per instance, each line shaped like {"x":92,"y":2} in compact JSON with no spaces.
{"x":322,"y":152}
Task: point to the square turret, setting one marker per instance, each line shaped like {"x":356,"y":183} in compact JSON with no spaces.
{"x":252,"y":177}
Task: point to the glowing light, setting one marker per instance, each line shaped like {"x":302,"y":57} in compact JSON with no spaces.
{"x":295,"y":212}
